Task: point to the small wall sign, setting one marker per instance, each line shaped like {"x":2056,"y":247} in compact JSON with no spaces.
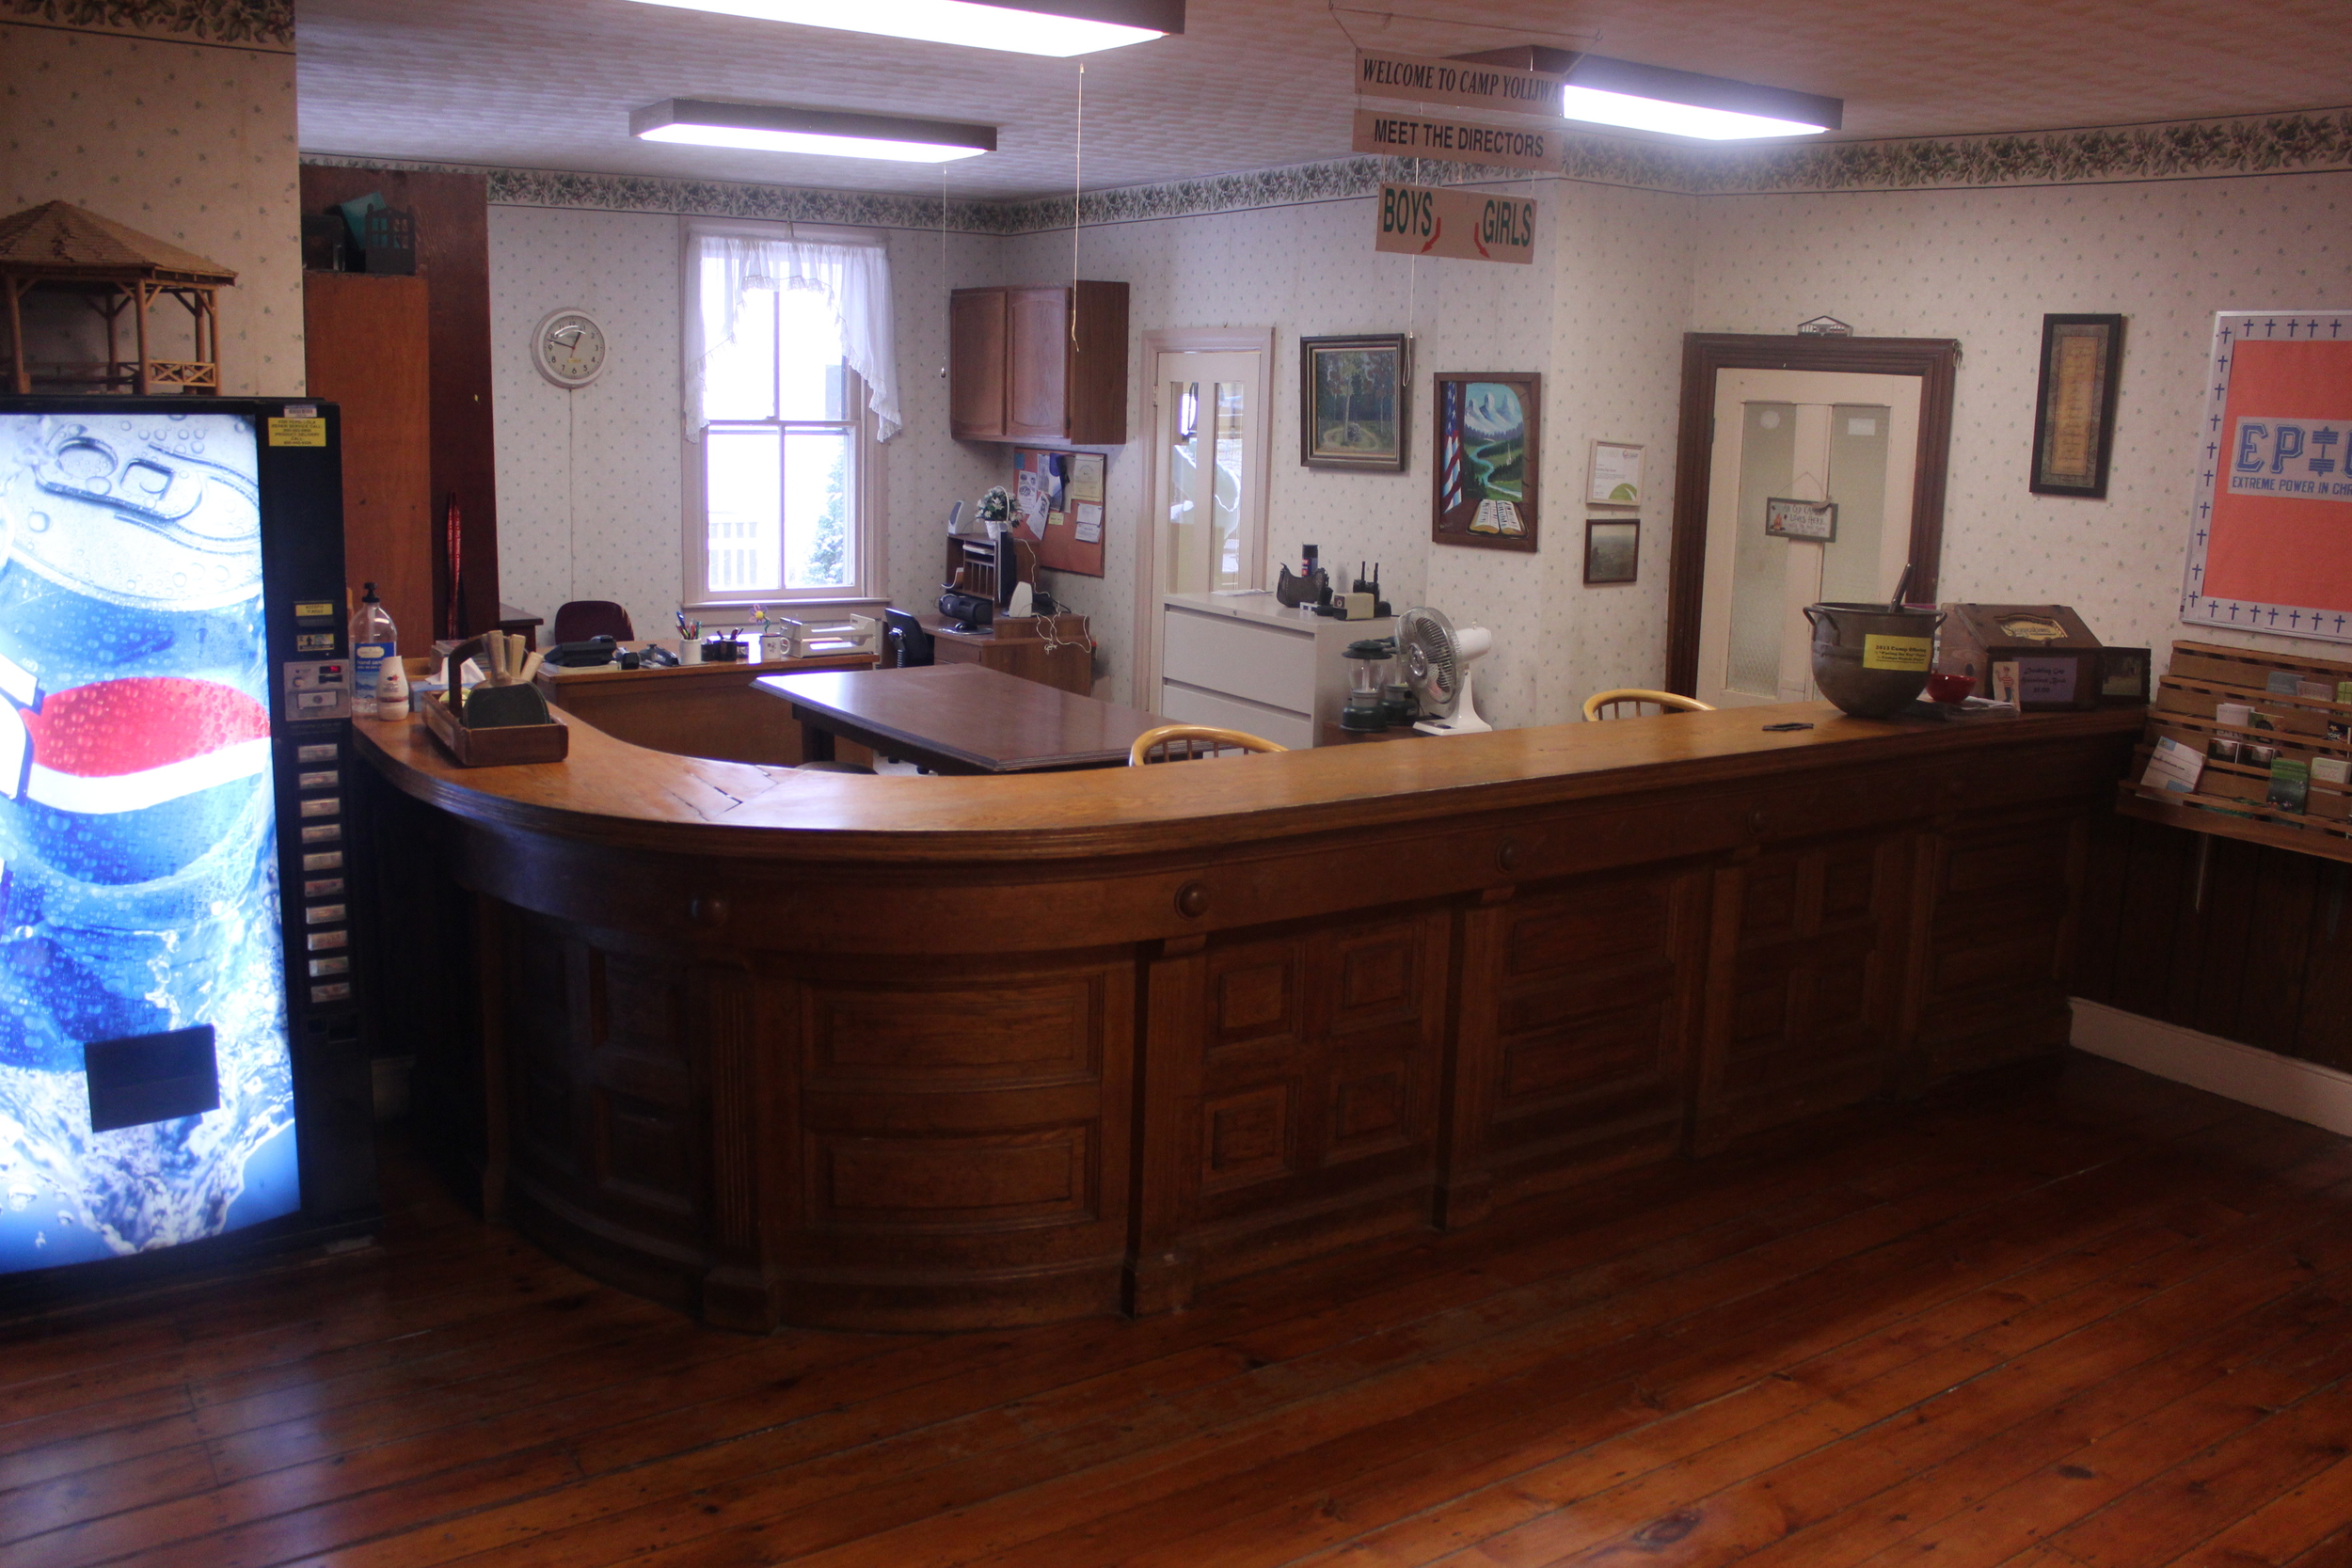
{"x":1422,"y":80}
{"x":1785,"y":518}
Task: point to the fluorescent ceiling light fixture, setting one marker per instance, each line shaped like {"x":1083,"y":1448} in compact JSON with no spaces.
{"x":1675,"y":120}
{"x":1685,"y":103}
{"x":1603,"y":91}
{"x":1056,"y":27}
{"x":833,"y":132}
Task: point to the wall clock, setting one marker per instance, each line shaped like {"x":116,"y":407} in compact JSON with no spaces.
{"x":570,"y":348}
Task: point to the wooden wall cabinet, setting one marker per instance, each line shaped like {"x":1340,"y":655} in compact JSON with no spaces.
{"x":1016,"y":372}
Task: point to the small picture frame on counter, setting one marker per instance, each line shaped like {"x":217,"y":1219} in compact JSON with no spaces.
{"x":2124,"y":677}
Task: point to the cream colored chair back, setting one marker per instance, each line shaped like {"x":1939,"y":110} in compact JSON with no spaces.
{"x":1187,"y":742}
{"x":1629,"y":702}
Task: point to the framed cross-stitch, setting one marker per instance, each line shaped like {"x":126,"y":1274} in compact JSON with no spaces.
{"x":1488,"y":433}
{"x":2073,"y":418}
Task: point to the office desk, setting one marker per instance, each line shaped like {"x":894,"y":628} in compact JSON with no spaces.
{"x":694,"y":710}
{"x":1017,"y":647}
{"x":959,"y":718}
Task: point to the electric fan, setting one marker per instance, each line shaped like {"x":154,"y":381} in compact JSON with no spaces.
{"x":1438,"y":662}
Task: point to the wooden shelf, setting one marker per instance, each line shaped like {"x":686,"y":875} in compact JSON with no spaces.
{"x":2202,"y":677}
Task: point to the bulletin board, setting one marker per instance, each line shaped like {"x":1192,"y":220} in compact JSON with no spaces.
{"x":1059,"y":501}
{"x":2270,"y":538}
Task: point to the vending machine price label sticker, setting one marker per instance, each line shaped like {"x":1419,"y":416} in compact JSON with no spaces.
{"x":314,"y":609}
{"x":298,"y":433}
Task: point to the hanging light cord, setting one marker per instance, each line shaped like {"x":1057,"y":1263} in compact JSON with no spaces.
{"x":1077,"y":189}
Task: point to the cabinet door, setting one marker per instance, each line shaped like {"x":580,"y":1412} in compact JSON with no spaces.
{"x":1037,"y":384}
{"x":975,"y":364}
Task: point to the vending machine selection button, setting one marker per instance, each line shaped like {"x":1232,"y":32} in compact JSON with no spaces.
{"x":331,"y":778}
{"x":330,"y":966}
{"x":327,"y":805}
{"x":323,"y":887}
{"x":321,"y":915}
{"x":332,"y":859}
{"x":324,"y":832}
{"x":339,"y":992}
{"x":315,"y":754}
{"x":321,"y":940}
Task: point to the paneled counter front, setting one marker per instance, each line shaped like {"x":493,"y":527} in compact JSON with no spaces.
{"x":927,"y":1053}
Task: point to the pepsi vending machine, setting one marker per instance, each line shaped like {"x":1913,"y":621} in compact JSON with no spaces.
{"x":182,"y":1075}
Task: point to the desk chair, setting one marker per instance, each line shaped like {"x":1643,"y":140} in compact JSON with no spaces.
{"x":1159,"y":745}
{"x":582,"y":619}
{"x":1614,"y":704}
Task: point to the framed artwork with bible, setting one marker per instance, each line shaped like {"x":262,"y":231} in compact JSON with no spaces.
{"x":2073,"y":421}
{"x":1487,"y":438}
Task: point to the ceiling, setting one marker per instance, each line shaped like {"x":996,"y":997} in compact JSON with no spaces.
{"x":1252,"y":84}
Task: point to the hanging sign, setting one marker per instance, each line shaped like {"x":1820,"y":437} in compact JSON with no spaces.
{"x":1474,"y":85}
{"x":1468,"y":226}
{"x":1457,"y":140}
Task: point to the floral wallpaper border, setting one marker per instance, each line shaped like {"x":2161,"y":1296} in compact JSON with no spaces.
{"x":262,"y":23}
{"x":2310,"y":142}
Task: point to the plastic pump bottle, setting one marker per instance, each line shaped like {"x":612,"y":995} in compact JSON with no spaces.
{"x":373,"y":641}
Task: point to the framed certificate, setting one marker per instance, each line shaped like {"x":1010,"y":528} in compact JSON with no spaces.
{"x":1617,"y":475}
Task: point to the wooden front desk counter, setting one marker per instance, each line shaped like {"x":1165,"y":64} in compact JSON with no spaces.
{"x":926,"y":1053}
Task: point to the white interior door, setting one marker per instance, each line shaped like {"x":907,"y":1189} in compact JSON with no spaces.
{"x":1204,"y":527}
{"x":1799,"y":435}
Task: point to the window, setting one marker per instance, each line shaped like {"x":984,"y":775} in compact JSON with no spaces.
{"x":777,"y":453}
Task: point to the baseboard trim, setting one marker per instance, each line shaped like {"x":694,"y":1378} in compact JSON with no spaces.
{"x":2303,"y":1090}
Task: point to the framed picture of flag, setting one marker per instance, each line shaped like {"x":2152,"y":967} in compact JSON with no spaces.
{"x":1488,"y":433}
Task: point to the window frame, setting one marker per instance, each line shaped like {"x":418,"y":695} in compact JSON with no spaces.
{"x":869,"y":550}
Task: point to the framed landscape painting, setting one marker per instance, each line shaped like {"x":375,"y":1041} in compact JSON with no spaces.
{"x":1353,"y":399}
{"x":1488,"y":434}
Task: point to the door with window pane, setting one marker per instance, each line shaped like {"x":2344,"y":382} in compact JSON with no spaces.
{"x":779,"y":460}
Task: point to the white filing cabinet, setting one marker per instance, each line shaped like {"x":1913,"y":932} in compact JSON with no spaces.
{"x":1246,"y":663}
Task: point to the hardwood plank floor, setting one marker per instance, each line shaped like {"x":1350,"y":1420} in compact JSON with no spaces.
{"x":2096,"y":1321}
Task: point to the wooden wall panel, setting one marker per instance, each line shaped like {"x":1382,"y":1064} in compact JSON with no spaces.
{"x":453,"y":256}
{"x":366,"y":346}
{"x":2241,"y":941}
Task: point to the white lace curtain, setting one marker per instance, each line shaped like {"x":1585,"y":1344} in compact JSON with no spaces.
{"x":854,"y":281}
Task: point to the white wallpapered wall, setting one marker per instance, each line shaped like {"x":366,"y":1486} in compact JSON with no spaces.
{"x":189,"y":143}
{"x":1600,"y":317}
{"x":590,"y":498}
{"x":1624,"y":274}
{"x":1983,"y":266}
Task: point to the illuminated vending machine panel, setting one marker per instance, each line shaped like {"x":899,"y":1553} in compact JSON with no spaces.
{"x":181,"y":1069}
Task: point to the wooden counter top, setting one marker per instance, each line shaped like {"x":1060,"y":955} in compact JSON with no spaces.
{"x":927,"y":1053}
{"x":625,"y":794}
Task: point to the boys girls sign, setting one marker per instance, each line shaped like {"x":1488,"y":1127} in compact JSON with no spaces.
{"x":1418,"y":220}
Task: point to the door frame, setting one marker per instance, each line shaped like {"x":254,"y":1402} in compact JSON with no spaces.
{"x":1934,"y":360}
{"x":1255,"y":486}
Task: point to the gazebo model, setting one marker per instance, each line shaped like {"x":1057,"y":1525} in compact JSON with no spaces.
{"x":70,"y":250}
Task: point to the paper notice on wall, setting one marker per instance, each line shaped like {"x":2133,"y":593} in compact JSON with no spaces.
{"x":1090,"y":522}
{"x":1086,"y":476}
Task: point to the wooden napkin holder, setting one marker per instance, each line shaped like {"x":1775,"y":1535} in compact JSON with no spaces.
{"x":497,"y":726}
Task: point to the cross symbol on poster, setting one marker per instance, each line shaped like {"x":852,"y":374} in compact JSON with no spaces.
{"x":2339,"y":626}
{"x":2274,"y":615}
{"x":2268,"y":327}
{"x":2294,"y":618}
{"x":2225,"y":334}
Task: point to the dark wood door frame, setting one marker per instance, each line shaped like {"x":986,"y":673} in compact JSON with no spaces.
{"x":1934,"y":360}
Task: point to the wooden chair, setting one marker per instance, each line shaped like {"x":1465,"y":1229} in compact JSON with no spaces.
{"x":1615,"y":705}
{"x":1198,"y":740}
